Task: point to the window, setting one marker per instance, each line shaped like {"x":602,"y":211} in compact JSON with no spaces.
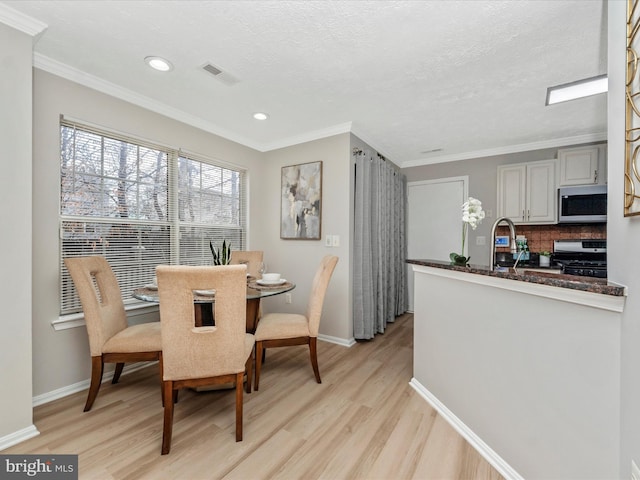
{"x":141,"y":205}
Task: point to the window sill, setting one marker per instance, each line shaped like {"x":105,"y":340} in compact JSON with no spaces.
{"x":77,"y":319}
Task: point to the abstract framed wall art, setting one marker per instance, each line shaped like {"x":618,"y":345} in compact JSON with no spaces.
{"x":301,"y":201}
{"x":632,"y":151}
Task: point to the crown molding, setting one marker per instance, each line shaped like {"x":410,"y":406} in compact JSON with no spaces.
{"x":65,"y":71}
{"x":309,"y":136}
{"x":523,"y":147}
{"x":20,"y":21}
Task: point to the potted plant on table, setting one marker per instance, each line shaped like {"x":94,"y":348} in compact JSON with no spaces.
{"x":545,"y":258}
{"x":221,"y":256}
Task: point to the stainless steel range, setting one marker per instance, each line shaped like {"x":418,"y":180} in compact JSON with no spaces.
{"x":581,"y":257}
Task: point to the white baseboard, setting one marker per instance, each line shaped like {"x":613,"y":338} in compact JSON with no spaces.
{"x":338,"y":341}
{"x":31,"y":431}
{"x":83,"y":385}
{"x":474,"y":440}
{"x":17,"y":437}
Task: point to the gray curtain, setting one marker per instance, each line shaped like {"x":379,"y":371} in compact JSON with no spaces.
{"x":380,"y":284}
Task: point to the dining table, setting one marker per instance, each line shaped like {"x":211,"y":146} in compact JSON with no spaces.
{"x":204,"y":300}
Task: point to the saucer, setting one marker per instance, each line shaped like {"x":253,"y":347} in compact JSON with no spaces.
{"x":205,"y":293}
{"x":151,"y":286}
{"x":277,"y":282}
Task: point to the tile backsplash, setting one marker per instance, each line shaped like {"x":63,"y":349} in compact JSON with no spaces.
{"x":541,"y":237}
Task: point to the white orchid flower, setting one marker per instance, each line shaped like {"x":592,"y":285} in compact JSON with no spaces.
{"x":472,"y":215}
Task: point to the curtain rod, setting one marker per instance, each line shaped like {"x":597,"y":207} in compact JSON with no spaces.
{"x":358,"y":151}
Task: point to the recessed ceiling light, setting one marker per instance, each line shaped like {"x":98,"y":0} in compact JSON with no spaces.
{"x":159,"y":63}
{"x":260,"y":116}
{"x":577,"y":89}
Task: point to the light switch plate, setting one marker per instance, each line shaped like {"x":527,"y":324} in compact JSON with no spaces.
{"x":328,"y":241}
{"x":336,"y":240}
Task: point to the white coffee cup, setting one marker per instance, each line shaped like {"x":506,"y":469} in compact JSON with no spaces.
{"x":271,"y":277}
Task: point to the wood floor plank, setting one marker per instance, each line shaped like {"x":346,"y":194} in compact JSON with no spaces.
{"x":363,"y":421}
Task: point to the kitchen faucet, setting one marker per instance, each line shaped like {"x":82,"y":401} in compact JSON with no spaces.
{"x":512,"y":229}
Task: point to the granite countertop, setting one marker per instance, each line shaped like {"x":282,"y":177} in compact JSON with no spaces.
{"x":523,"y":274}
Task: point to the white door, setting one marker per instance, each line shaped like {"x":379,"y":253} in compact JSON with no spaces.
{"x":434,"y":220}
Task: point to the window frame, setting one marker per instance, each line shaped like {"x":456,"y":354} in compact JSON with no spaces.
{"x":201,"y":231}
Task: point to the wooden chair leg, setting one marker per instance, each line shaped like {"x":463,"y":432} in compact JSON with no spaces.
{"x":313,"y":353}
{"x":167,"y":394}
{"x":248,"y":368}
{"x":259,"y":351}
{"x":175,"y":392}
{"x":117,"y":372}
{"x":239,"y":389}
{"x":161,"y":367}
{"x":97,"y":367}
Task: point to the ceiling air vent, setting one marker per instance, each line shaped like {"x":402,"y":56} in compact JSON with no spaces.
{"x":224,"y":77}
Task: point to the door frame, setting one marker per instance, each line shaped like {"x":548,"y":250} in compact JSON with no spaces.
{"x":465,"y":194}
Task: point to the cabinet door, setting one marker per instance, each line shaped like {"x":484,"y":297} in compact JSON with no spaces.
{"x":541,"y":192}
{"x":511,"y":192}
{"x":580,"y":166}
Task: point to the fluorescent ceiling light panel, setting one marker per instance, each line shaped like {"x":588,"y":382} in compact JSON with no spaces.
{"x":578,"y":89}
{"x":260,"y":116}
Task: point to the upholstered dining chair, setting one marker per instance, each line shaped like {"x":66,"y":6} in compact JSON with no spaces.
{"x":111,"y":339}
{"x":251,"y":258}
{"x":286,"y":329}
{"x":203,"y":356}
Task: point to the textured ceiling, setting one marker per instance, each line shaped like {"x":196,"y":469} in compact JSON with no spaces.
{"x":407,"y":77}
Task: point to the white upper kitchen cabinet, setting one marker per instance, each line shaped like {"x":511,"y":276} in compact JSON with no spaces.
{"x":527,"y":192}
{"x":583,"y":165}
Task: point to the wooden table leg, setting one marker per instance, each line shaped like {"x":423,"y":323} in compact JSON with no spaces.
{"x":203,"y":314}
{"x":253,"y":306}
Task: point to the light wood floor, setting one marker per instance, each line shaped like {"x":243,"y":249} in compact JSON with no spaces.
{"x":363,"y":422}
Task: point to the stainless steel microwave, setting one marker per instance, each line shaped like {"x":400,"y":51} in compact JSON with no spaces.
{"x":582,"y":204}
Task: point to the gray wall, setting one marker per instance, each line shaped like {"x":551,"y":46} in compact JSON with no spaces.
{"x":61,"y":357}
{"x":15,"y":241}
{"x":298,"y":259}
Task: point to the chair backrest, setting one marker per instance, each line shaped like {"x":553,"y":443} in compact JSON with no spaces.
{"x":318,"y":290}
{"x":251,"y":258}
{"x":100,"y":297}
{"x":200,"y":352}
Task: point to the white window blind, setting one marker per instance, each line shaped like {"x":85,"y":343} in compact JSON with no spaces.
{"x":140,"y":205}
{"x":210,"y":209}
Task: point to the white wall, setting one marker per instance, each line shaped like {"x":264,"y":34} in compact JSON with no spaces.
{"x":623,"y":238}
{"x":536,"y":379}
{"x":15,"y":241}
{"x":298,"y":259}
